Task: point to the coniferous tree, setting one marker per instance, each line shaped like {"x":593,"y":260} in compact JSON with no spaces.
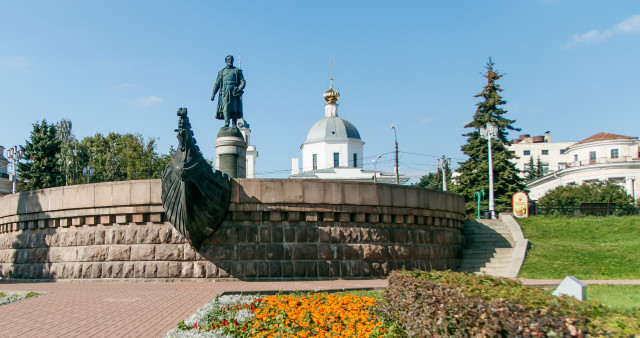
{"x":475,"y":171}
{"x":539,"y":168}
{"x":41,"y":167}
{"x":530,"y":171}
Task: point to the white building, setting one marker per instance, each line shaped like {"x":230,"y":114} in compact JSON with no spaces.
{"x":252,"y":152}
{"x":333,"y":149}
{"x":552,"y":155}
{"x":6,"y":184}
{"x":601,"y":157}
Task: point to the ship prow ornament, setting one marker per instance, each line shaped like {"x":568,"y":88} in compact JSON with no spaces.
{"x":195,"y":198}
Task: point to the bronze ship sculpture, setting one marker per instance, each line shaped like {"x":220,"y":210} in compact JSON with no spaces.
{"x":195,"y":198}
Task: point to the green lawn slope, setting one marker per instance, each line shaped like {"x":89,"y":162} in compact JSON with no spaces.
{"x":586,"y":247}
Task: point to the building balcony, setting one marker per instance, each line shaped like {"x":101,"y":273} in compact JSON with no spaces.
{"x":601,"y":160}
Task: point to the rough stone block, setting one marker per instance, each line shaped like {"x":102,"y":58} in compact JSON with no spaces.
{"x":332,"y":192}
{"x":277,"y":234}
{"x":275,"y":251}
{"x":186,"y":270}
{"x":374,"y":252}
{"x":250,"y":270}
{"x":369,"y":194}
{"x":224,"y":269}
{"x":301,"y":234}
{"x":119,"y":253}
{"x":312,"y":234}
{"x":128,"y":269}
{"x":287,"y":269}
{"x":311,"y":216}
{"x":237,"y":269}
{"x":143,"y":252}
{"x":344,"y":217}
{"x":64,"y":222}
{"x":155,"y":218}
{"x":262,"y":269}
{"x":386,"y":218}
{"x":264,"y":233}
{"x":373,"y":218}
{"x":304,"y":251}
{"x":324,"y":234}
{"x":294,"y":216}
{"x":169,"y":252}
{"x":352,"y":251}
{"x":200,"y":269}
{"x":151,"y":269}
{"x":94,"y":254}
{"x":337,"y":236}
{"x":351,"y":235}
{"x":222,"y":252}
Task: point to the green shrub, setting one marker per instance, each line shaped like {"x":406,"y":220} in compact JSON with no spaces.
{"x":455,"y":304}
{"x":445,"y":303}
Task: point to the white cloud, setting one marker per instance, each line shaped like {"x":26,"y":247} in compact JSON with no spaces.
{"x":148,"y":100}
{"x":630,"y":25}
{"x":426,"y":120}
{"x":18,"y":61}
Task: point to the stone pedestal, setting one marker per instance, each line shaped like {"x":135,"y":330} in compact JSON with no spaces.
{"x":231,"y":152}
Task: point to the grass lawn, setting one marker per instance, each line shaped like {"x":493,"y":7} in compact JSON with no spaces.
{"x":586,"y":247}
{"x":621,"y":297}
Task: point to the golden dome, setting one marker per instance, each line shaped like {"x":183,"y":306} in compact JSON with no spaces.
{"x":331,"y":95}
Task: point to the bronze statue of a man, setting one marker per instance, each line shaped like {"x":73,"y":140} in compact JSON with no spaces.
{"x":230,"y":83}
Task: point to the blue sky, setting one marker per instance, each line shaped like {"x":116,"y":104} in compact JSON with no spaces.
{"x":127,"y":66}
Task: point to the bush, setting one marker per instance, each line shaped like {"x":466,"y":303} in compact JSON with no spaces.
{"x":445,"y":303}
{"x":456,"y":304}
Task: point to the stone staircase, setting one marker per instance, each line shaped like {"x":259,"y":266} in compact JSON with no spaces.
{"x":493,"y":246}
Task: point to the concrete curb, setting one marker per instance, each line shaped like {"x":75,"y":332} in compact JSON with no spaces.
{"x":520,"y":245}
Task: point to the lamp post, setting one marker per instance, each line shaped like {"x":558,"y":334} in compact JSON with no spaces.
{"x":375,"y":180}
{"x":15,"y":155}
{"x":445,"y":162}
{"x":489,"y":132}
{"x":395,"y":135}
{"x":88,"y":172}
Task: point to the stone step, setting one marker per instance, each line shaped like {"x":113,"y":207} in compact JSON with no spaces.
{"x":484,"y":250}
{"x":489,"y":244}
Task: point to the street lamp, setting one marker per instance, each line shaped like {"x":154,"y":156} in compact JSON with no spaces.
{"x":88,"y":172}
{"x":375,"y":180}
{"x":15,"y":155}
{"x":445,"y":162}
{"x":489,"y":132}
{"x":395,"y":135}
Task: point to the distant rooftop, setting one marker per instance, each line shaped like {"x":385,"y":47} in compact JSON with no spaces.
{"x":606,"y":136}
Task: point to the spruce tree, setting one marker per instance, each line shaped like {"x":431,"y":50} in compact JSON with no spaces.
{"x":531,"y":171}
{"x":41,"y":168}
{"x":539,"y":168}
{"x":475,"y":171}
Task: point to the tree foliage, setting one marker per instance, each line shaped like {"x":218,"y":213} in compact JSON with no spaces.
{"x":599,"y":192}
{"x":434,"y":180}
{"x":54,"y":157}
{"x":534,"y":171}
{"x":475,"y":171}
{"x":41,"y":168}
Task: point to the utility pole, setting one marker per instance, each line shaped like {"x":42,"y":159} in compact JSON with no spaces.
{"x":395,"y":135}
{"x":375,"y":180}
{"x":446,"y":162}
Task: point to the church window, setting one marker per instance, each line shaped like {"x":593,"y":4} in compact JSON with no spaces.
{"x":336,"y":160}
{"x":355,"y":160}
{"x":315,"y":161}
{"x":614,"y":153}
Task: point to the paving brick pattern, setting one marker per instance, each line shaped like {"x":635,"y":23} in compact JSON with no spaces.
{"x":128,"y":309}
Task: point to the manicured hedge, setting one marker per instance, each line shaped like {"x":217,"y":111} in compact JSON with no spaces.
{"x":445,"y":303}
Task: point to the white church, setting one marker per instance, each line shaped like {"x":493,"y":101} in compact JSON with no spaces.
{"x":333,"y":150}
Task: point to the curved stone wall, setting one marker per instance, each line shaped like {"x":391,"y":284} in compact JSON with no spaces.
{"x":276,"y":229}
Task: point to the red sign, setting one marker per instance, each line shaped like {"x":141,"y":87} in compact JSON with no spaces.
{"x":520,"y":204}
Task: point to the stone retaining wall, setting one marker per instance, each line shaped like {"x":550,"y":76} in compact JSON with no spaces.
{"x":302,"y":229}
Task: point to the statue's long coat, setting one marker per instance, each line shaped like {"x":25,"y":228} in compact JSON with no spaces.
{"x":231,"y":84}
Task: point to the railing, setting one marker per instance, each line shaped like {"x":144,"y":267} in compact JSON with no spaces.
{"x":583,"y":209}
{"x":600,"y":160}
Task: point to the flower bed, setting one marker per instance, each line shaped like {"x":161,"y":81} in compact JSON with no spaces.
{"x":12,"y":297}
{"x":295,"y":315}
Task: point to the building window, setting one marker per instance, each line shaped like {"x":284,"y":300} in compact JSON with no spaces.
{"x":527,"y":152}
{"x":336,"y":160}
{"x":592,"y":155}
{"x":315,"y":161}
{"x":575,"y":157}
{"x":561,"y":165}
{"x":545,"y":152}
{"x":614,"y":153}
{"x":355,"y":160}
{"x":563,"y":151}
{"x":526,"y":167}
{"x":545,"y":168}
